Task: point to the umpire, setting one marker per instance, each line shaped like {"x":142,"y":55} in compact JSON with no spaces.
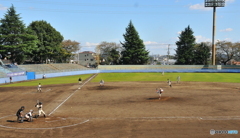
{"x":20,"y":115}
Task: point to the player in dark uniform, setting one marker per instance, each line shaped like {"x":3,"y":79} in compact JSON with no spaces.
{"x":80,"y":81}
{"x":10,"y":78}
{"x":20,"y":114}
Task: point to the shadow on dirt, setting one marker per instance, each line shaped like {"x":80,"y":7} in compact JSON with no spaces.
{"x":162,"y":98}
{"x":103,"y":88}
{"x":11,"y":121}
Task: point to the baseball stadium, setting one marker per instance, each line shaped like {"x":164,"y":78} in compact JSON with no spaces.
{"x":153,"y":74}
{"x":201,"y":99}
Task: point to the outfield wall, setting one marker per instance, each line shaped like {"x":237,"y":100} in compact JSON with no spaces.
{"x":49,"y":75}
{"x":167,"y":67}
{"x":136,"y":68}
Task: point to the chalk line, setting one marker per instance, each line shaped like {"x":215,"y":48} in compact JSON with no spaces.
{"x":72,"y":94}
{"x":45,"y":128}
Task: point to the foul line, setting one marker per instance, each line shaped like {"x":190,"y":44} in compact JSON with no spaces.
{"x":45,"y":128}
{"x":72,"y":94}
{"x":175,"y":117}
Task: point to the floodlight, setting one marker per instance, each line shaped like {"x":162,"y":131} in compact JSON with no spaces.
{"x":214,"y":3}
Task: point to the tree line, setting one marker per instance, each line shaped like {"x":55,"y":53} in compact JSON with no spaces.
{"x":38,"y":42}
{"x":188,"y":52}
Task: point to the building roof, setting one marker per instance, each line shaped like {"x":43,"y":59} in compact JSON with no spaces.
{"x":88,"y":52}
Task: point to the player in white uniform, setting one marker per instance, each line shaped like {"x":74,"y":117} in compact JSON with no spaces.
{"x":169,"y":83}
{"x":101,"y":82}
{"x":29,"y":116}
{"x":159,"y":91}
{"x":39,"y":88}
{"x":178,"y":79}
{"x":40,"y":109}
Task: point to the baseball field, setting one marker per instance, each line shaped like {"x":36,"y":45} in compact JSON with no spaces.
{"x":127,"y":106}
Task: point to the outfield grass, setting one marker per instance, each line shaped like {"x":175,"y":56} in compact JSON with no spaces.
{"x":200,"y":77}
{"x":126,"y":77}
{"x":49,"y":81}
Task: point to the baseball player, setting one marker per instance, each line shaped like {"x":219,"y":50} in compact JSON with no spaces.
{"x":101,"y":82}
{"x":29,"y":116}
{"x":39,"y":88}
{"x":178,"y":79}
{"x":40,"y":109}
{"x":80,"y":80}
{"x":169,"y":83}
{"x":10,"y":78}
{"x":159,"y":91}
{"x":162,"y":73}
{"x":20,"y":115}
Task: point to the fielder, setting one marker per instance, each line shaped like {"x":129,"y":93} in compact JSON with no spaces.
{"x":80,"y":81}
{"x":169,"y":83}
{"x":178,"y":79}
{"x":39,"y":88}
{"x":40,"y":109}
{"x":20,"y":115}
{"x":159,"y":91}
{"x":29,"y":116}
{"x":101,"y":82}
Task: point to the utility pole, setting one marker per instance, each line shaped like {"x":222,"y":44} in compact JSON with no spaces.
{"x":168,"y":54}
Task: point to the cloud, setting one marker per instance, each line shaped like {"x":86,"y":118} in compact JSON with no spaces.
{"x":88,"y":44}
{"x":2,"y":8}
{"x":150,"y":43}
{"x":226,"y":30}
{"x":179,"y":32}
{"x":199,"y":7}
{"x":200,"y":38}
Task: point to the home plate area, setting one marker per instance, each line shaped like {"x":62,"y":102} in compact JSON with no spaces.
{"x":50,"y":122}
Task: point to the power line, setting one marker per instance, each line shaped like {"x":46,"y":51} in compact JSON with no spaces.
{"x":113,"y":12}
{"x":132,"y":6}
{"x":97,"y":5}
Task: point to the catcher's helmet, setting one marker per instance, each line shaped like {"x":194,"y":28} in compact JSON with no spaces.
{"x":22,"y":107}
{"x":40,"y":102}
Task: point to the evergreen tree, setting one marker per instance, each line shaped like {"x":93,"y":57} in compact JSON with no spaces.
{"x":185,"y":47}
{"x":134,"y":50}
{"x":15,"y":41}
{"x":202,"y":54}
{"x":49,"y":41}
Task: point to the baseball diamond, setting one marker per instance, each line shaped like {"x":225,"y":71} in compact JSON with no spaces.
{"x":123,"y":109}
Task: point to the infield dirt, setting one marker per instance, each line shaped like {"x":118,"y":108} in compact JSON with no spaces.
{"x":123,"y":109}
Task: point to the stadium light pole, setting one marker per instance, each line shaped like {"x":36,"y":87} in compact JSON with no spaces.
{"x":214,"y":4}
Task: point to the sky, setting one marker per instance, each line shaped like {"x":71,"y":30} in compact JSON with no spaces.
{"x":158,"y":22}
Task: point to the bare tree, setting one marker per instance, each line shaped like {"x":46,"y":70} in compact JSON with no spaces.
{"x":225,"y":51}
{"x":70,"y":48}
{"x":108,"y":52}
